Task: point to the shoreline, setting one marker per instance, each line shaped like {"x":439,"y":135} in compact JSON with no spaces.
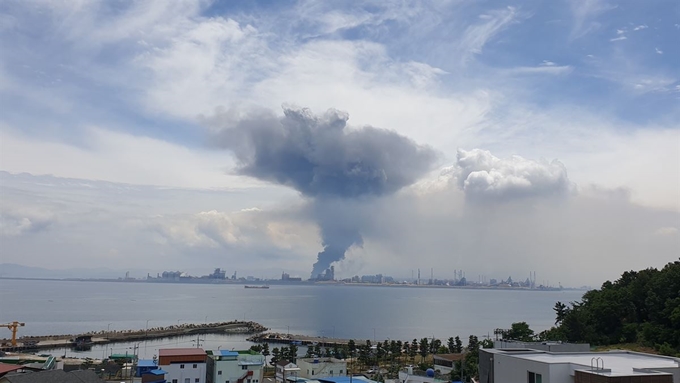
{"x":199,"y":281}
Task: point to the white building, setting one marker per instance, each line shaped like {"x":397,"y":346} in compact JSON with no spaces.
{"x":533,"y":366}
{"x":286,"y":371}
{"x":183,"y":365}
{"x":314,"y":368}
{"x":234,"y":367}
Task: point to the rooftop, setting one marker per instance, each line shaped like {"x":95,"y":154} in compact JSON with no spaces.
{"x":146,"y":363}
{"x":5,"y":368}
{"x":621,"y":363}
{"x":181,"y":351}
{"x":449,"y":357}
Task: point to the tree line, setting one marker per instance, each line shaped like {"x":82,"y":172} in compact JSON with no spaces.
{"x":641,"y":307}
{"x":388,"y":355}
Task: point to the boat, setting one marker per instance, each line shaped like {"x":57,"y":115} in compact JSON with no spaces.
{"x":256,"y":287}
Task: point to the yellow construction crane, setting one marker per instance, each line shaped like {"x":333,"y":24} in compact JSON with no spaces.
{"x":13,"y":326}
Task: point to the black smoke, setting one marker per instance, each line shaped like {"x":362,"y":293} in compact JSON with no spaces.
{"x":325,"y":161}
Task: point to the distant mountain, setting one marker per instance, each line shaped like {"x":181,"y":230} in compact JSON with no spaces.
{"x":12,"y":270}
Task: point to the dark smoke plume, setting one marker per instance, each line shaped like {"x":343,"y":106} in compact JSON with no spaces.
{"x":323,"y":160}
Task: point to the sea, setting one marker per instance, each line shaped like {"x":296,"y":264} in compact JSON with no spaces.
{"x":334,"y":311}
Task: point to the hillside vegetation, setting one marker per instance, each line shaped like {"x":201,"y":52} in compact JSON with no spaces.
{"x":641,"y":307}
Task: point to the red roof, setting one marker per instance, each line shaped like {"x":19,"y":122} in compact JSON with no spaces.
{"x":181,"y":351}
{"x":5,"y":368}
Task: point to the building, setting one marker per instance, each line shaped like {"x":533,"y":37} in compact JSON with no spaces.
{"x":286,"y":370}
{"x":183,"y":365}
{"x":516,"y":365}
{"x":144,"y":366}
{"x":316,"y":368}
{"x":445,"y":363}
{"x":154,"y":376}
{"x":235,"y":367}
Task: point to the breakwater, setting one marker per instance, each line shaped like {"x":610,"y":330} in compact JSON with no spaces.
{"x":304,"y":340}
{"x":116,"y":336}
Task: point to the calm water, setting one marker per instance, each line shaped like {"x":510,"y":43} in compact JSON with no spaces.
{"x":69,"y":307}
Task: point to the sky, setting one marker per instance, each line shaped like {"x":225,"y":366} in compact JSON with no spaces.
{"x":377,"y":136}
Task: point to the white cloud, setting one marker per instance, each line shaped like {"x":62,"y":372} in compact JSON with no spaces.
{"x":658,"y":51}
{"x":640,"y":27}
{"x":482,"y":175}
{"x":478,"y":35}
{"x":620,"y":38}
{"x":585,"y":13}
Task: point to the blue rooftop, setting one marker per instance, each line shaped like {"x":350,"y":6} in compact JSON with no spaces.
{"x":146,"y":363}
{"x":158,"y":372}
{"x":227,"y":353}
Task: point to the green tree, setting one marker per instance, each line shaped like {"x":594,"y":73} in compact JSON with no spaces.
{"x":459,"y":345}
{"x":520,"y":331}
{"x":451,"y":345}
{"x":424,"y":349}
{"x":292,"y":352}
{"x":561,"y":311}
{"x":265,"y":350}
{"x":276,"y":356}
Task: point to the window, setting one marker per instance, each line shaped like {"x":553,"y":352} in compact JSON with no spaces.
{"x":219,"y":372}
{"x":174,"y":381}
{"x":533,"y":377}
{"x":331,"y":372}
{"x":244,"y":367}
{"x":195,"y":365}
{"x":340,"y":372}
{"x":312,"y":372}
{"x":181,"y":366}
{"x":187,"y":380}
{"x":197,"y":380}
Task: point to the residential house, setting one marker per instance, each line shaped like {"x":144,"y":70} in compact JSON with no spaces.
{"x":183,"y":365}
{"x":235,"y":366}
{"x":286,"y":371}
{"x":315,"y":368}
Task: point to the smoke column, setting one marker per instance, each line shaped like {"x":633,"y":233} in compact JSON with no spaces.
{"x":326,"y":162}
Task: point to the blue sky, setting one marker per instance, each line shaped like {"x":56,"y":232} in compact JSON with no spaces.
{"x":121,"y":91}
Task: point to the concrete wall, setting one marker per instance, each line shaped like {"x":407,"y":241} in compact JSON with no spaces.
{"x":175,"y":371}
{"x":514,"y":370}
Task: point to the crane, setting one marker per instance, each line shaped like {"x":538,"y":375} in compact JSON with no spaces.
{"x":13,"y":326}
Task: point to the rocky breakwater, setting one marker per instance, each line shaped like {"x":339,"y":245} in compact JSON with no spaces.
{"x":113,"y":336}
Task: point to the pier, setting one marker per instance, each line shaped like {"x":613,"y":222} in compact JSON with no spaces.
{"x":107,"y":337}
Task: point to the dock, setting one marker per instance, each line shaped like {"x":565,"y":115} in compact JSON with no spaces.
{"x":108,"y":337}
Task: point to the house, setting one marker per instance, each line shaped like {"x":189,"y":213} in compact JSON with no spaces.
{"x":286,"y":370}
{"x":183,"y":365}
{"x":411,"y":375}
{"x":315,"y":368}
{"x":154,"y":376}
{"x":53,"y":376}
{"x":6,"y":368}
{"x":517,"y":365}
{"x":445,"y":363}
{"x":145,"y":365}
{"x":235,"y":367}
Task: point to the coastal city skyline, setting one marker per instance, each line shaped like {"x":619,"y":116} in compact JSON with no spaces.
{"x":373,"y":137}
